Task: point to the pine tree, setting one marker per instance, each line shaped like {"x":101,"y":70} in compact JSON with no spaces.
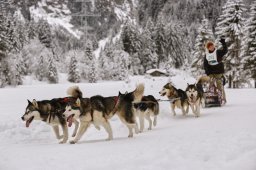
{"x":131,"y":39}
{"x":5,"y":74}
{"x":148,"y":54}
{"x":160,"y":42}
{"x":93,"y":72}
{"x":119,"y":67}
{"x":204,"y":34}
{"x":32,"y":29}
{"x":248,"y":53}
{"x":92,"y":77}
{"x":7,"y":44}
{"x":16,"y":77}
{"x":40,"y":72}
{"x":177,"y":47}
{"x":44,"y":33}
{"x":52,"y":72}
{"x":230,"y":25}
{"x":73,"y":73}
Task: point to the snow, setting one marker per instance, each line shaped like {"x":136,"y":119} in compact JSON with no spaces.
{"x":222,"y":138}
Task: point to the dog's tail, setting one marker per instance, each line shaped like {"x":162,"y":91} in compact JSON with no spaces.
{"x":138,"y":92}
{"x":74,"y":91}
{"x":157,"y":109}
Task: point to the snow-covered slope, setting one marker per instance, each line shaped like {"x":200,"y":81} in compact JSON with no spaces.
{"x":57,"y":14}
{"x":222,"y":138}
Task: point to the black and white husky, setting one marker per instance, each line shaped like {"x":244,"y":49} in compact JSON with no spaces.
{"x":147,"y":108}
{"x":195,"y":97}
{"x":178,"y":98}
{"x":50,"y":111}
{"x":98,"y":110}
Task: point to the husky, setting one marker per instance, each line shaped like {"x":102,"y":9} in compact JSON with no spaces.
{"x":98,"y":110}
{"x":178,"y":98}
{"x":148,"y":107}
{"x":126,"y":110}
{"x":50,"y":111}
{"x":195,"y":97}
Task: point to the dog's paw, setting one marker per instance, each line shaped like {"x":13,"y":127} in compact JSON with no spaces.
{"x":109,"y":139}
{"x":130,"y":136}
{"x":149,"y":128}
{"x":60,"y":137}
{"x":62,"y":142}
{"x":72,"y":142}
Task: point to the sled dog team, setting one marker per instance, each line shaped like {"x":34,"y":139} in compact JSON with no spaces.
{"x":97,"y":110}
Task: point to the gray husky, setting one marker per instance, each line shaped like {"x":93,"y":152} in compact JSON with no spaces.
{"x":50,"y":111}
{"x":98,"y":110}
{"x":148,"y":107}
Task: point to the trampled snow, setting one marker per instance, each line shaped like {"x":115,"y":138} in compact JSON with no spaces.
{"x":222,"y":138}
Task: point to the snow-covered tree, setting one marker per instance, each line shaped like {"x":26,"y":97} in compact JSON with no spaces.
{"x":131,"y":39}
{"x":5,"y":74}
{"x":73,"y":72}
{"x":5,"y":42}
{"x":160,"y":42}
{"x":32,"y":29}
{"x":44,"y":33}
{"x":9,"y":41}
{"x":177,"y":46}
{"x":148,"y":55}
{"x":16,"y":75}
{"x":92,"y":76}
{"x":248,"y":53}
{"x":229,"y":25}
{"x":120,"y":69}
{"x":93,"y":72}
{"x":52,"y":72}
{"x":204,"y":34}
{"x":41,"y":71}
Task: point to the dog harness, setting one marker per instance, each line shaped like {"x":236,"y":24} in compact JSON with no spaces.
{"x":212,"y":57}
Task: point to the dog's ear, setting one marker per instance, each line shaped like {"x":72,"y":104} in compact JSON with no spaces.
{"x":126,"y":92}
{"x":170,"y":84}
{"x":29,"y":102}
{"x":119,"y":93}
{"x":35,"y":103}
{"x":187,"y":84}
{"x":78,"y":102}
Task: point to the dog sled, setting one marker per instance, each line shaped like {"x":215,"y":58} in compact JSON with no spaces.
{"x":212,"y":95}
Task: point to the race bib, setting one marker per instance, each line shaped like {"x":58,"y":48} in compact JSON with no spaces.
{"x":212,"y":58}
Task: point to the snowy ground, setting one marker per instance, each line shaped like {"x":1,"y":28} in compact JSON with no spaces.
{"x":222,"y":138}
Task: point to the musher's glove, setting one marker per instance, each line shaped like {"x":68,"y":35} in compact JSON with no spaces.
{"x":222,"y":40}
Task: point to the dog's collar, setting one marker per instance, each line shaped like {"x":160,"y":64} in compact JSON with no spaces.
{"x":66,"y":100}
